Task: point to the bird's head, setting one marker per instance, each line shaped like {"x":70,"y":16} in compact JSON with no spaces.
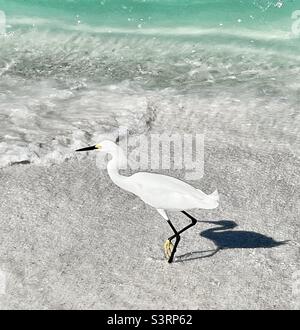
{"x":105,"y":146}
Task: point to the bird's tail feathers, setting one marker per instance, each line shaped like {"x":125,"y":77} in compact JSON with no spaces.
{"x":214,"y":196}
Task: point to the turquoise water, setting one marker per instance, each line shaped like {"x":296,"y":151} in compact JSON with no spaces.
{"x":255,"y":14}
{"x":71,"y":69}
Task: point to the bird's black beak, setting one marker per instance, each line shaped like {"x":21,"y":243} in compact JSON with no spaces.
{"x":88,"y":148}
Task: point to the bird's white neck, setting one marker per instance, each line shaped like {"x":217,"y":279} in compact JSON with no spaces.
{"x":113,"y":166}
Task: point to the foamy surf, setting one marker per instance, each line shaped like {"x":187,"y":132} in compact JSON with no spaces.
{"x":70,"y":72}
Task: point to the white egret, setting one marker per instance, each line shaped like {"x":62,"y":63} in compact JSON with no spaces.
{"x":162,"y":192}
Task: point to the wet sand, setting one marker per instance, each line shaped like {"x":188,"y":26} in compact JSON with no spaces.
{"x":70,"y":239}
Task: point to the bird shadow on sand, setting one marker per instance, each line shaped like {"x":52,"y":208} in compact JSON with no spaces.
{"x":224,"y":238}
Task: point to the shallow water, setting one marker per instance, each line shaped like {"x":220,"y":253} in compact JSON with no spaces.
{"x":72,"y":70}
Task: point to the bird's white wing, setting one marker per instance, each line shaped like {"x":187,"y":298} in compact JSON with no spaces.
{"x":163,"y":184}
{"x":168,"y":193}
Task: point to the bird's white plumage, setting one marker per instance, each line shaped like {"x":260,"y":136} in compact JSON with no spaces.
{"x":160,"y":191}
{"x":168,"y":193}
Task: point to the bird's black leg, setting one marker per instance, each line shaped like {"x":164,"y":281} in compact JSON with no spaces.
{"x":176,"y":234}
{"x":194,"y":221}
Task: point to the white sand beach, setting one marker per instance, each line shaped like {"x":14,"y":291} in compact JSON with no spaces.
{"x":70,"y":239}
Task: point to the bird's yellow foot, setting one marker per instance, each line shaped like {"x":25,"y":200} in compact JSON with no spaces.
{"x":168,"y":248}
